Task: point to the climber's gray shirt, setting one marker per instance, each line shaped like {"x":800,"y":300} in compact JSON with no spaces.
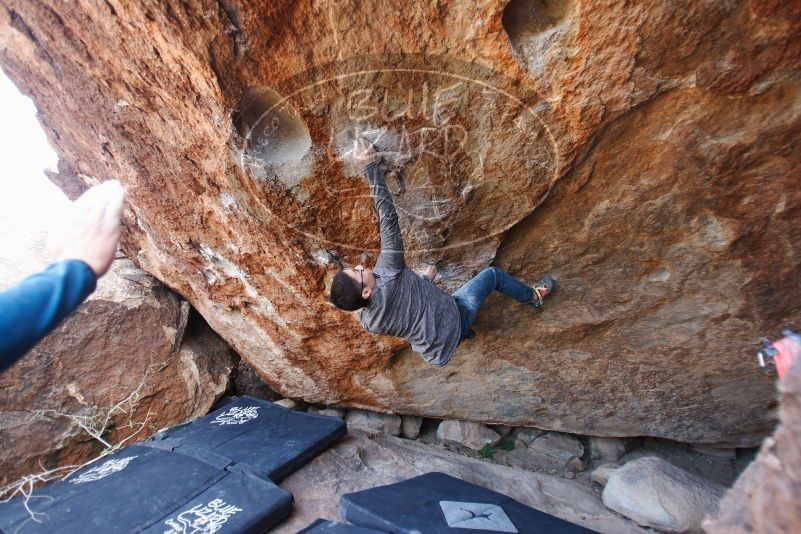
{"x":404,"y":304}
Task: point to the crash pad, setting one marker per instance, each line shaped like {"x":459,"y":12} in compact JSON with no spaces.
{"x":262,"y":435}
{"x":436,"y":503}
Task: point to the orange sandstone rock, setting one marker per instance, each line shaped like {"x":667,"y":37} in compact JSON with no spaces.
{"x":645,"y":154}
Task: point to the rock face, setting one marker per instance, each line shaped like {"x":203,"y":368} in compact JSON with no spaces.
{"x":645,"y":154}
{"x":765,"y":498}
{"x":129,"y":360}
{"x":358,"y":463}
{"x":657,"y":494}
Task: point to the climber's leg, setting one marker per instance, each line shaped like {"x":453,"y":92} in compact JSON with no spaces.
{"x":472,"y":295}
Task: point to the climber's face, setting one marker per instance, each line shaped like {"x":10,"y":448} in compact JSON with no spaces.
{"x":363,"y":277}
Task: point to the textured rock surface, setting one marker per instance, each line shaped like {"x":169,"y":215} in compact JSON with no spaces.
{"x":327,"y":411}
{"x":128,"y":346}
{"x":645,"y":154}
{"x":502,"y":430}
{"x":657,"y":494}
{"x":609,"y":449}
{"x":467,"y":433}
{"x":358,"y":463}
{"x":765,"y":498}
{"x":545,"y":450}
{"x":601,"y":473}
{"x":291,"y":404}
{"x":374,"y":422}
{"x":410,"y":426}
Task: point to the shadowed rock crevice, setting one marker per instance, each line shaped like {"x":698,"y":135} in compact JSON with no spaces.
{"x":274,"y":130}
{"x":534,"y":26}
{"x":526,"y":19}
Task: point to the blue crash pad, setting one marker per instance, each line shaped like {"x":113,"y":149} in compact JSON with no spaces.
{"x":322,"y":526}
{"x":264,"y":436}
{"x":142,"y":489}
{"x":436,"y":503}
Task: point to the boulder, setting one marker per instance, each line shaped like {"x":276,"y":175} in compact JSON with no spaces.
{"x":642,"y":153}
{"x":410,"y":426}
{"x":657,"y":494}
{"x":558,"y":445}
{"x":528,"y":435}
{"x":601,"y":473}
{"x":468,"y":434}
{"x":545,"y":450}
{"x":129,"y":361}
{"x":328,"y":411}
{"x":359,"y":462}
{"x":374,"y":422}
{"x":609,"y":449}
{"x":765,"y":498}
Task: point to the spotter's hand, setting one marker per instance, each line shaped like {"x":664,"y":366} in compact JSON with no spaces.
{"x":431,"y":272}
{"x":363,"y":153}
{"x":92,"y":231}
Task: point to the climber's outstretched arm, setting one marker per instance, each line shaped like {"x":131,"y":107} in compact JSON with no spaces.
{"x":84,"y":245}
{"x":391,"y":256}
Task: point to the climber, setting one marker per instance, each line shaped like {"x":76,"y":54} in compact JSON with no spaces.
{"x":395,"y":301}
{"x":84,"y":249}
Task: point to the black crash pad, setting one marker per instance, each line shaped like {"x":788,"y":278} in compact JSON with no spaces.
{"x":436,"y":503}
{"x":321,"y":526}
{"x":264,"y":436}
{"x":142,"y":489}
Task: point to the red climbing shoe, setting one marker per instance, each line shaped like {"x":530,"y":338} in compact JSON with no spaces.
{"x":541,"y":290}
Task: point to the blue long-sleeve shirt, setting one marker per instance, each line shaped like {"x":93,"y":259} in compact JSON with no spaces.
{"x":34,"y":307}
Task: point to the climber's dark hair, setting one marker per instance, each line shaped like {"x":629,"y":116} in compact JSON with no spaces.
{"x":345,"y":293}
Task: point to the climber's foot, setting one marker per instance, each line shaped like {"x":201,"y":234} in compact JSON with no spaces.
{"x":541,"y":290}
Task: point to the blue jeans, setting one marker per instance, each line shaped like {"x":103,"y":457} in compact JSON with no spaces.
{"x":472,"y":295}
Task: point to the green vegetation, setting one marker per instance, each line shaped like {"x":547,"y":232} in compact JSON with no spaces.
{"x":486,"y":451}
{"x":507,"y":445}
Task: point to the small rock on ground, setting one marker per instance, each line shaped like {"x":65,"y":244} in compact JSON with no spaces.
{"x":290,"y":404}
{"x":601,"y":473}
{"x":527,"y":435}
{"x":657,"y":494}
{"x":468,"y":433}
{"x":609,"y":449}
{"x":374,"y":422}
{"x":410,"y":426}
{"x":564,"y":449}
